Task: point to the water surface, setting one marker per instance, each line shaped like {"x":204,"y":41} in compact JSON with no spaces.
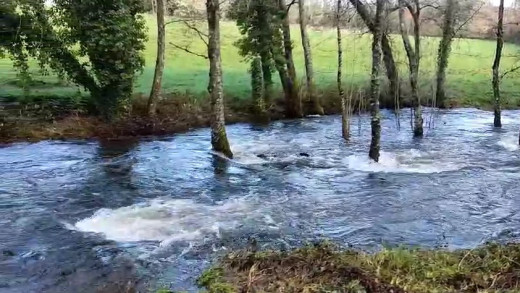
{"x":83,"y":216}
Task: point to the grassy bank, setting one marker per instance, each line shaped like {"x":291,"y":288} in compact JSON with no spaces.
{"x":324,"y":268}
{"x":50,"y":108}
{"x":469,"y":74}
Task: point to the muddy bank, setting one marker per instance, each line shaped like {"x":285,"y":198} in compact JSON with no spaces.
{"x":51,"y":119}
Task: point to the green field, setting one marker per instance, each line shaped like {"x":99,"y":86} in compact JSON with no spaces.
{"x":469,"y":77}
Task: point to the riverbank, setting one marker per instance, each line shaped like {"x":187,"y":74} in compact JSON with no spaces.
{"x":325,"y":268}
{"x":47,"y":120}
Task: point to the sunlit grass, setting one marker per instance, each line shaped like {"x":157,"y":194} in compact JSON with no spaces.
{"x":469,"y":74}
{"x":324,"y":268}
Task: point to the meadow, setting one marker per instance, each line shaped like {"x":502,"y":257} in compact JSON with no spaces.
{"x":469,"y":73}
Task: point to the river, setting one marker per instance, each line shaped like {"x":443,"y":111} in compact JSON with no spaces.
{"x":83,"y":216}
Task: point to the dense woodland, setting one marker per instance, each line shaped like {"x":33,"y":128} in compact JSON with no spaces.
{"x":98,"y":45}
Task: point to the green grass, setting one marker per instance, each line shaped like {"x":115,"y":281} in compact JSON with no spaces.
{"x":469,"y":74}
{"x":324,"y":268}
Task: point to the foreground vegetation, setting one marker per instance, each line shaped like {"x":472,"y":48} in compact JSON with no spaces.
{"x":324,"y":268}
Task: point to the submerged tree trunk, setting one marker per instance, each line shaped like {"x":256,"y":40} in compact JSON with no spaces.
{"x":294,"y":105}
{"x":375,"y":82}
{"x":309,"y":70}
{"x":496,"y":65}
{"x":448,"y":33}
{"x":345,"y":107}
{"x":219,"y":139}
{"x":388,"y":57}
{"x":414,"y":55}
{"x":159,"y":65}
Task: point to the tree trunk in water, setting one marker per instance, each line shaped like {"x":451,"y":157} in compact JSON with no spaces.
{"x":307,"y":52}
{"x":388,"y":57}
{"x":375,"y":82}
{"x":345,"y":107}
{"x":414,"y":54}
{"x":496,"y":65}
{"x":257,"y":89}
{"x":444,"y":51}
{"x":159,"y":65}
{"x":219,"y":139}
{"x":294,"y":107}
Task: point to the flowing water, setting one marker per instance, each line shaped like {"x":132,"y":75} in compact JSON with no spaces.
{"x":82,"y":216}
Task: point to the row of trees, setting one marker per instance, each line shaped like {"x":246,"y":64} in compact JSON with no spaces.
{"x":110,"y":34}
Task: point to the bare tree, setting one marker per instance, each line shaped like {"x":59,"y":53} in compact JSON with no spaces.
{"x":375,"y":82}
{"x":345,"y":106}
{"x":311,"y":90}
{"x":219,"y":139}
{"x":159,"y":65}
{"x":413,"y":52}
{"x":388,"y":56}
{"x":496,"y":65}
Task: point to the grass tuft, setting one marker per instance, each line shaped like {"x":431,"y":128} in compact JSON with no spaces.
{"x":325,"y":268}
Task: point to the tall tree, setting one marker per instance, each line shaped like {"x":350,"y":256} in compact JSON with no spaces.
{"x":159,"y":65}
{"x":307,"y":52}
{"x":443,"y":55}
{"x":388,"y":57}
{"x":413,"y":52}
{"x":375,"y":82}
{"x":259,"y":23}
{"x":293,"y":99}
{"x":345,"y":107}
{"x":496,"y":64}
{"x":219,"y":139}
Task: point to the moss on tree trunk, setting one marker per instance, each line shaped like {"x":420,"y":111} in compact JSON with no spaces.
{"x":219,"y":139}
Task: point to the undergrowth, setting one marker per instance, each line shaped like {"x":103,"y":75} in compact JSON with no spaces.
{"x":325,"y":268}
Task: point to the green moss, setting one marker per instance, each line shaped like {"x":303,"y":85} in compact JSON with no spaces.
{"x":213,"y":281}
{"x":324,"y":268}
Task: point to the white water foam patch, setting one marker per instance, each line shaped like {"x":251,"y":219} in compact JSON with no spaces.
{"x":412,"y":161}
{"x":170,"y":221}
{"x":509,"y":143}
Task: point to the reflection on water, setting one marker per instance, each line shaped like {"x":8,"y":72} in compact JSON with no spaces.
{"x":93,"y":215}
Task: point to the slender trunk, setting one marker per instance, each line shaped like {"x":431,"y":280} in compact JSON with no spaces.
{"x":294,"y":107}
{"x":257,"y":89}
{"x":413,"y":54}
{"x":448,"y":33}
{"x":159,"y":65}
{"x":388,"y":57}
{"x":285,"y":80}
{"x":345,"y":108}
{"x":496,"y":64}
{"x":375,"y":82}
{"x":219,"y":139}
{"x":307,"y":53}
{"x":154,"y":6}
{"x":268,"y":78}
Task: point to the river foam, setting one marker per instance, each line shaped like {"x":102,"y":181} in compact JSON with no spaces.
{"x":509,"y":143}
{"x":411,"y":161}
{"x":169,"y":220}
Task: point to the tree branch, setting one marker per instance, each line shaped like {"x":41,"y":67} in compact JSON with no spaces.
{"x":185,"y":49}
{"x":511,"y":70}
{"x":468,"y":19}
